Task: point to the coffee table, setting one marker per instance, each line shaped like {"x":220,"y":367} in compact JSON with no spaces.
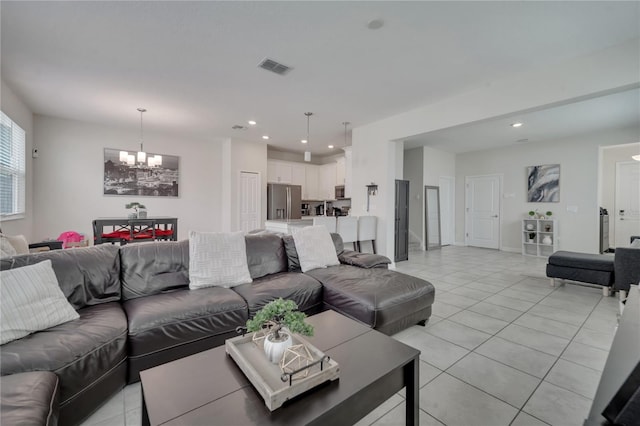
{"x":208,"y":388}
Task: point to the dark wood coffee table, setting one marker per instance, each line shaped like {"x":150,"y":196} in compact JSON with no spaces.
{"x":208,"y":388}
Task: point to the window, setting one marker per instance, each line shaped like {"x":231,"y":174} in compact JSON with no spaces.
{"x":12,"y":168}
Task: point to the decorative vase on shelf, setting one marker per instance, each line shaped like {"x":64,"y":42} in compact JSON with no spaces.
{"x":142,"y":214}
{"x":547,"y":240}
{"x":547,"y":228}
{"x":133,"y":215}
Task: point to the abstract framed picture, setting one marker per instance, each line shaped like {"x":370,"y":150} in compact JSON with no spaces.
{"x":153,"y":175}
{"x":543,"y":183}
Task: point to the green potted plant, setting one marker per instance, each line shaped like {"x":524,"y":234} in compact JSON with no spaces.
{"x":135,"y":205}
{"x":548,"y":214}
{"x":532,"y":214}
{"x":532,"y":236}
{"x":275,"y":316}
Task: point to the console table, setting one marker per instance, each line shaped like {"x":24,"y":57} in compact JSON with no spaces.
{"x":124,"y":224}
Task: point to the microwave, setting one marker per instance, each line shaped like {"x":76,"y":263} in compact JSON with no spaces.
{"x":339,"y":192}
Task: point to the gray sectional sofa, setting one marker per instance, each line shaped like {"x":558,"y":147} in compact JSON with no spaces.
{"x":136,"y":312}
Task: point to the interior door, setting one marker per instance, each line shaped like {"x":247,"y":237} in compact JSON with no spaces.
{"x":627,"y":202}
{"x":482,"y":211}
{"x":249,"y":201}
{"x":402,"y":221}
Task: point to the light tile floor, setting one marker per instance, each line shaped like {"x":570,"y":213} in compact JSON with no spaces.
{"x":501,"y":348}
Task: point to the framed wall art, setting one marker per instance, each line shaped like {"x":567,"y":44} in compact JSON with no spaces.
{"x":543,"y":183}
{"x":156,"y":175}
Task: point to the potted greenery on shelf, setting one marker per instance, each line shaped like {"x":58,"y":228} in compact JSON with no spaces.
{"x":275,"y":316}
{"x":135,"y":205}
{"x":532,"y":237}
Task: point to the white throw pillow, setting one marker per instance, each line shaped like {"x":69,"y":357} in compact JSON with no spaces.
{"x":31,"y":300}
{"x":315,"y":248}
{"x":217,"y":259}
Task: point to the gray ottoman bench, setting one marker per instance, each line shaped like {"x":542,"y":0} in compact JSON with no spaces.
{"x":582,"y":267}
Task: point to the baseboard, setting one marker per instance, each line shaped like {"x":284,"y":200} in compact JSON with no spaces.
{"x":512,"y":249}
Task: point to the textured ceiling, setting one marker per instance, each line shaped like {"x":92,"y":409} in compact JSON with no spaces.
{"x":193,"y":65}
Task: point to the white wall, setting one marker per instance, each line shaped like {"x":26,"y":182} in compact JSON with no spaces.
{"x":413,"y":172}
{"x":244,"y":157}
{"x":374,"y":157}
{"x":21,"y":115}
{"x":68,"y":178}
{"x":578,"y":159}
{"x":438,"y":163}
{"x":611,"y":156}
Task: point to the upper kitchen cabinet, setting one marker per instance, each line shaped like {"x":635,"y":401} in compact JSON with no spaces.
{"x":327,"y":184}
{"x":279,"y":172}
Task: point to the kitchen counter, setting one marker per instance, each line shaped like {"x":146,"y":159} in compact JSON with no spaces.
{"x":286,"y":226}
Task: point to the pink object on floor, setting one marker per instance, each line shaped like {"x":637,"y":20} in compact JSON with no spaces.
{"x":70,"y":237}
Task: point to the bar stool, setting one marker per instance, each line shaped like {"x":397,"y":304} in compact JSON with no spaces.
{"x":328,"y":222}
{"x":348,"y":229}
{"x":367,"y":228}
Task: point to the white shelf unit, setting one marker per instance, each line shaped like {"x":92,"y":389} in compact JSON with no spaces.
{"x":539,"y":229}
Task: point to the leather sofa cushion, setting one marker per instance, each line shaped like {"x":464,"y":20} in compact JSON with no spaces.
{"x":265,"y":254}
{"x":373,"y":296}
{"x":29,"y":399}
{"x":596,"y":262}
{"x":87,"y":276}
{"x":165,"y":320}
{"x":152,"y":268}
{"x":302,"y":289}
{"x":364,"y":260}
{"x":78,"y":352}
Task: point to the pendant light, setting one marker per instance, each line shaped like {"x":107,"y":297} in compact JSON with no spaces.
{"x":307,"y":154}
{"x":345,"y":124}
{"x":141,"y":156}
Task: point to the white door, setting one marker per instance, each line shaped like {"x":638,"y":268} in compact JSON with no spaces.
{"x":447,"y":209}
{"x":482,"y":211}
{"x":627,"y":214}
{"x":249,"y":201}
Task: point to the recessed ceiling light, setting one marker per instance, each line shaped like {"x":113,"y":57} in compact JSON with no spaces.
{"x":375,"y":24}
{"x":330,"y":146}
{"x":252,"y":123}
{"x":303,"y":141}
{"x":265,"y":137}
{"x":518,"y":124}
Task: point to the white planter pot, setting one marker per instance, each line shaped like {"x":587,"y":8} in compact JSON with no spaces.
{"x":547,"y":240}
{"x":274,"y":350}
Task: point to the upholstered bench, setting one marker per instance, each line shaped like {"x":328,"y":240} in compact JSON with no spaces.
{"x":29,"y":399}
{"x":582,"y":267}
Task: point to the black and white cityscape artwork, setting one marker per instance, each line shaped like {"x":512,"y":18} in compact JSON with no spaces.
{"x":543,"y":183}
{"x":126,"y":173}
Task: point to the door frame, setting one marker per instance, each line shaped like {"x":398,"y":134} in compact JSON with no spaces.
{"x":426,"y":221}
{"x":500,"y":177}
{"x":452,"y":181}
{"x":239,"y":201}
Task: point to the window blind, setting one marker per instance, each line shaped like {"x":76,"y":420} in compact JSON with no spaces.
{"x":12,"y":168}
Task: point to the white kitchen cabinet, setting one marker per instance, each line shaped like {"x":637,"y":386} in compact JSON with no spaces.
{"x":340,"y":170}
{"x":279,"y":172}
{"x":310,"y":191}
{"x":298,"y":175}
{"x":327,"y":184}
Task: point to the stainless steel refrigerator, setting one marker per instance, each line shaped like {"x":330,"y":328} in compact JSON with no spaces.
{"x":283,"y":201}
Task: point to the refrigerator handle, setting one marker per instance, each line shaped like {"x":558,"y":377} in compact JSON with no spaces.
{"x":288,"y":203}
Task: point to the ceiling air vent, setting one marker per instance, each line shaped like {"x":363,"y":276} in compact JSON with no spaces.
{"x":238,"y":127}
{"x":273,"y":66}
